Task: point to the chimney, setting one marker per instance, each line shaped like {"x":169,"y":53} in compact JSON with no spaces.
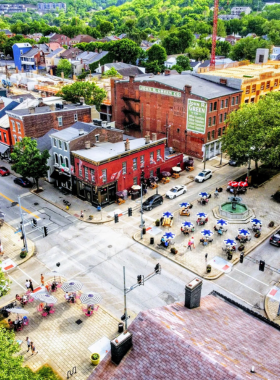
{"x":127,"y":145}
{"x":21,"y":99}
{"x":87,"y":145}
{"x":147,"y":139}
{"x":120,"y":346}
{"x":154,"y":137}
{"x":188,"y":89}
{"x":166,"y":72}
{"x":193,"y":293}
{"x":81,"y":132}
{"x":2,"y":105}
{"x":131,"y":78}
{"x":82,"y":100}
{"x":52,"y":107}
{"x":31,"y":109}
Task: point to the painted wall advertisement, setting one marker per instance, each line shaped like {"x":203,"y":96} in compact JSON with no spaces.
{"x":196,"y":120}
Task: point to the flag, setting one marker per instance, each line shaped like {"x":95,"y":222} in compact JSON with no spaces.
{"x":119,"y":173}
{"x":113,"y":176}
{"x":153,"y":161}
{"x":101,"y":176}
{"x":160,"y":158}
{"x":72,"y":169}
{"x":80,"y":164}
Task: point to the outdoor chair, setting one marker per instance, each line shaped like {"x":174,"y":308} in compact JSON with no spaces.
{"x":44,"y":314}
{"x":52,"y":311}
{"x":31,"y":299}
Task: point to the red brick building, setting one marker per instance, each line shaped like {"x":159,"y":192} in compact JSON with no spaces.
{"x":61,"y":39}
{"x":37,"y":121}
{"x":191,"y":112}
{"x":106,"y":168}
{"x":5,"y":137}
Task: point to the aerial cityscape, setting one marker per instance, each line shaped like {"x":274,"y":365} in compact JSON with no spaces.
{"x":139,"y":190}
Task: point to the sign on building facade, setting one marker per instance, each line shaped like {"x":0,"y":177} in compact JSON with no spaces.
{"x":196,"y":119}
{"x":161,"y":91}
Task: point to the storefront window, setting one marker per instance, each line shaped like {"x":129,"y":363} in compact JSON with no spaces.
{"x":104,"y":175}
{"x":124,"y":167}
{"x":92,"y":173}
{"x":135,"y":181}
{"x":86,"y":172}
{"x":134,"y":163}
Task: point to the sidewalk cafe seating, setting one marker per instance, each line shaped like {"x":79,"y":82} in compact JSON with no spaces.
{"x":165,"y":180}
{"x":175,"y":175}
{"x":153,"y":185}
{"x":205,"y":241}
{"x":243,"y":239}
{"x":120,"y":201}
{"x":220,"y":230}
{"x":201,"y":222}
{"x":185,"y":211}
{"x":167,"y":221}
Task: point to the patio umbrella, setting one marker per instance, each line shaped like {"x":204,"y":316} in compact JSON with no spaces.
{"x":184,"y":204}
{"x":203,"y":194}
{"x":222,"y":222}
{"x":71,"y":286}
{"x":136,"y":187}
{"x":230,"y":183}
{"x":167,"y":214}
{"x":230,"y":242}
{"x":256,"y":221}
{"x":165,"y":174}
{"x":234,"y":184}
{"x":44,"y":297}
{"x":201,"y":215}
{"x":243,"y":184}
{"x":17,"y":310}
{"x":90,"y":298}
{"x":176,"y":169}
{"x":243,"y":232}
{"x":187,"y":224}
{"x":207,"y":233}
{"x":169,"y":235}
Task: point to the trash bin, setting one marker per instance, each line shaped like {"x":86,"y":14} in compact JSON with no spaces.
{"x":152,"y":240}
{"x":144,"y":231}
{"x":121,"y":327}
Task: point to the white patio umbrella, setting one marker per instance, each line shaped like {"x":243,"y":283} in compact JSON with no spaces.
{"x":71,"y":286}
{"x":136,"y":187}
{"x":44,"y":297}
{"x":17,"y":310}
{"x":176,"y":169}
{"x":90,"y":298}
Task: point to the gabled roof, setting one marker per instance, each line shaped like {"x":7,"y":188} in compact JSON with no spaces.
{"x":44,"y":142}
{"x":124,"y":68}
{"x":55,"y":52}
{"x":30,"y":53}
{"x":70,"y":53}
{"x":82,"y":38}
{"x":73,"y":132}
{"x":216,"y":341}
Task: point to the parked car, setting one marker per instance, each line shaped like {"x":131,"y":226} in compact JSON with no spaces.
{"x":275,"y":239}
{"x":23,"y":182}
{"x":232,"y":162}
{"x":276,"y":196}
{"x":176,"y":191}
{"x":4,"y":171}
{"x":152,"y":202}
{"x":203,"y":176}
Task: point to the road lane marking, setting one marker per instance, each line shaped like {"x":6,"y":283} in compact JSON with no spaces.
{"x":17,"y":282}
{"x":251,"y":277}
{"x":28,"y":276}
{"x":244,"y":285}
{"x":23,"y":208}
{"x":234,"y":294}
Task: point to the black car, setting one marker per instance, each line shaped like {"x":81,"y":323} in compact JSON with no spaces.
{"x":275,"y":239}
{"x":23,"y":182}
{"x":276,"y":196}
{"x":152,"y":202}
{"x":232,"y":162}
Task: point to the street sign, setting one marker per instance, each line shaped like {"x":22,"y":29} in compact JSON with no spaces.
{"x":196,"y":118}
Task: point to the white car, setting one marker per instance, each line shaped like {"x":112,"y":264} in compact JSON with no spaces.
{"x":203,"y":176}
{"x":176,"y":191}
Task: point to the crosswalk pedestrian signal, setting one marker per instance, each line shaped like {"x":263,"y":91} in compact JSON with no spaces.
{"x":116,"y":216}
{"x":129,"y":211}
{"x":140,"y":279}
{"x":241,"y":257}
{"x":34,"y":222}
{"x":157,"y":268}
{"x":262,"y":265}
{"x":46,"y":231}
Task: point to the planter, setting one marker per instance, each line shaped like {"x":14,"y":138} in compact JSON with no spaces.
{"x":95,"y":358}
{"x":208,"y":268}
{"x":271,"y":224}
{"x":174,"y":251}
{"x":90,"y":217}
{"x":157,"y":223}
{"x":229,"y":256}
{"x":23,"y":254}
{"x":241,"y":247}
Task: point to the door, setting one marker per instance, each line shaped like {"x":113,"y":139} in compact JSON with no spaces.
{"x":112,"y":193}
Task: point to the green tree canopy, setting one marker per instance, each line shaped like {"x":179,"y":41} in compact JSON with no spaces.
{"x":156,"y":53}
{"x":105,"y":27}
{"x":126,"y":50}
{"x":198,"y":53}
{"x":29,"y":161}
{"x":182,"y":64}
{"x":93,"y":94}
{"x":64,"y":66}
{"x":246,"y":48}
{"x":111,"y":73}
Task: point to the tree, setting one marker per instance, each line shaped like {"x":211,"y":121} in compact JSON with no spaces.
{"x":153,"y":67}
{"x":246,"y":48}
{"x":198,"y":53}
{"x":221,"y":30}
{"x":177,"y":42}
{"x":111,"y":73}
{"x":157,"y":53}
{"x":93,"y":94}
{"x":64,"y":66}
{"x":29,"y":161}
{"x":126,"y":50}
{"x":44,"y":40}
{"x":105,"y":27}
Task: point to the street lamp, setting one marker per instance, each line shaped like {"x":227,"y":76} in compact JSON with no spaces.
{"x":25,"y":247}
{"x":141,"y":212}
{"x":140,"y":281}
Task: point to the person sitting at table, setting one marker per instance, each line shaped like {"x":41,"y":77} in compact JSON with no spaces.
{"x":54,"y":286}
{"x":72,"y":298}
{"x":47,"y":309}
{"x":89,"y":310}
{"x":11,"y":323}
{"x":67,"y":297}
{"x":163,"y":240}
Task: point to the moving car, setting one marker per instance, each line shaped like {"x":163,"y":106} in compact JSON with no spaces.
{"x":203,"y":176}
{"x":275,"y":239}
{"x":152,"y":202}
{"x":23,"y":182}
{"x":4,"y":171}
{"x":176,"y":191}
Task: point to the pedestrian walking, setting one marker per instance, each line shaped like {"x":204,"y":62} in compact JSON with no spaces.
{"x":82,"y":215}
{"x":28,"y":342}
{"x":31,"y":286}
{"x":206,"y":255}
{"x":42,"y":280}
{"x":27,"y":284}
{"x":192,"y":241}
{"x":33,"y":349}
{"x":189,"y":245}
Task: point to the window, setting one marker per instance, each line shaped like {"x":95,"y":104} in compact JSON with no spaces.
{"x":262,"y":85}
{"x":211,"y":107}
{"x":224,"y":128}
{"x":209,"y":122}
{"x":60,"y":121}
{"x":215,"y":106}
{"x":225,"y":116}
{"x":54,"y":142}
{"x":59,"y":144}
{"x":236,"y":100}
{"x":19,"y":138}
{"x":142,"y":161}
{"x":158,"y":154}
{"x":219,"y":131}
{"x":134,"y":163}
{"x":221,"y":118}
{"x":151,"y":173}
{"x":151,"y":157}
{"x":75,"y":117}
{"x":65,"y":146}
{"x":178,"y":130}
{"x":97,"y":138}
{"x":86,"y":172}
{"x":208,"y":136}
{"x":214,"y":120}
{"x":248,"y":90}
{"x":267,"y":85}
{"x":213,"y":134}
{"x":246,"y":100}
{"x":66,"y":162}
{"x":5,"y":137}
{"x":80,"y":170}
{"x":15,"y":138}
{"x":21,"y":52}
{"x":222,"y":104}
{"x":276,"y":83}
{"x":104,"y":175}
{"x":18,"y":127}
{"x":135,"y":180}
{"x":253,"y":88}
{"x":226,"y":102}
{"x":252,"y":100}
{"x":92,"y":173}
{"x":13,"y":125}
{"x":232,"y":101}
{"x":61,"y":160}
{"x":55,"y":158}
{"x":124,"y":167}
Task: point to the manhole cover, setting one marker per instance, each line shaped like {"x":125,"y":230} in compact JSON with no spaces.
{"x":109,"y":246}
{"x":79,"y":322}
{"x":36,"y":204}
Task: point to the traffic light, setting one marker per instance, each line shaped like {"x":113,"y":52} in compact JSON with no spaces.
{"x":46,"y":231}
{"x":34,"y":222}
{"x":140,"y":279}
{"x":262,"y":265}
{"x":241,"y":257}
{"x":22,"y":237}
{"x":116,"y":216}
{"x":158,"y":268}
{"x":129,"y":211}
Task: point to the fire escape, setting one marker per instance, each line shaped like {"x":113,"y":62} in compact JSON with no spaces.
{"x":131,"y":113}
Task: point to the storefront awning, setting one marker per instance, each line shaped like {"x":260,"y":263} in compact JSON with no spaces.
{"x":64,"y":178}
{"x":55,"y":174}
{"x":3,"y":148}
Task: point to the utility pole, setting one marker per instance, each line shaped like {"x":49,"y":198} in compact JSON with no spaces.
{"x":141,"y":212}
{"x":22,"y":226}
{"x":140,"y":281}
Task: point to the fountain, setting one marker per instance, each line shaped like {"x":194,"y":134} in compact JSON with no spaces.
{"x":234,"y":209}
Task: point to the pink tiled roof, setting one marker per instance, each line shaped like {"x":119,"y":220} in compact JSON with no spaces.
{"x":214,"y":342}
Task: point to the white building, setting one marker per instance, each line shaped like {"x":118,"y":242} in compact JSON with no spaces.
{"x":275,"y":55}
{"x":238,"y":10}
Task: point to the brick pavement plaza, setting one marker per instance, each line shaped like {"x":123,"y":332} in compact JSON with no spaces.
{"x":259,"y":200}
{"x":62,"y":343}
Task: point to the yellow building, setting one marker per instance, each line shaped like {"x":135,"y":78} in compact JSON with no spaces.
{"x":254,"y":79}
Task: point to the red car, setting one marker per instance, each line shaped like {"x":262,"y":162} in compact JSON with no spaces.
{"x":4,"y":171}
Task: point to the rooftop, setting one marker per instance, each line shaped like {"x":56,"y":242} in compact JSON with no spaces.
{"x":45,"y":109}
{"x":73,"y":132}
{"x":106,"y":150}
{"x":216,"y":341}
{"x":124,"y":68}
{"x":44,"y":142}
{"x":57,"y":51}
{"x":30,"y":53}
